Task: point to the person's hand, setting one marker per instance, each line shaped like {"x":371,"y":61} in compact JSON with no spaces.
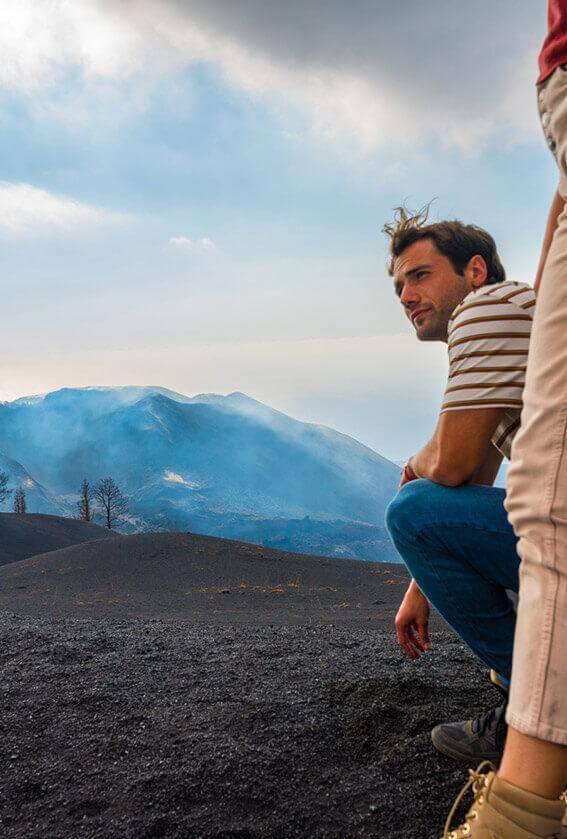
{"x":407,"y":475}
{"x":412,"y":622}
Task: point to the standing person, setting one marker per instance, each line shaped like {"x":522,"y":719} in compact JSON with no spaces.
{"x":522,"y":800}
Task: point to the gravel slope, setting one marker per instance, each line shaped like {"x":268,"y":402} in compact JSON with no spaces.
{"x":141,"y":728}
{"x":26,"y":535}
{"x":200,"y":578}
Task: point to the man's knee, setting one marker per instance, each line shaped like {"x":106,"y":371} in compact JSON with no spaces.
{"x":407,"y":513}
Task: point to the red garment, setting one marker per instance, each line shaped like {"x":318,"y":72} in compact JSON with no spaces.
{"x":554,"y":50}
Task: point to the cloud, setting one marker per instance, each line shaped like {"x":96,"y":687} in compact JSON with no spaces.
{"x":381,"y":73}
{"x":184,"y":243}
{"x":26,"y":209}
{"x":77,"y":63}
{"x":368,"y":74}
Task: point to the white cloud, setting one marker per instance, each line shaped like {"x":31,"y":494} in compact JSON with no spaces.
{"x":77,"y":63}
{"x":42,"y":40}
{"x":372,"y":74}
{"x":28,"y":209}
{"x":182,"y":242}
{"x":186,"y":244}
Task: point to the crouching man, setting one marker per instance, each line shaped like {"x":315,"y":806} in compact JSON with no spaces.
{"x":448,"y":521}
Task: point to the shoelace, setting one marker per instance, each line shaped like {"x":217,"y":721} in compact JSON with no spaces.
{"x":488,"y":721}
{"x":477,"y":781}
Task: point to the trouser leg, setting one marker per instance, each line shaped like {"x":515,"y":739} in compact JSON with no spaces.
{"x":460,"y":548}
{"x":537,"y":489}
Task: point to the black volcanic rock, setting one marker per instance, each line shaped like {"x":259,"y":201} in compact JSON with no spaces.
{"x":291,"y":715}
{"x":26,"y":535}
{"x":138,"y":729}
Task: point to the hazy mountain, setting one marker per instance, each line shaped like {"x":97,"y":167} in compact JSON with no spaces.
{"x":37,"y":497}
{"x":222,"y":463}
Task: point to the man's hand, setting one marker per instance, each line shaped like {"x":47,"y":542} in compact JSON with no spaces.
{"x":412,"y":622}
{"x":407,"y":475}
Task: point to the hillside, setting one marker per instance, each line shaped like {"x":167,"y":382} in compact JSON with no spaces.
{"x":210,"y":461}
{"x":198,"y":578}
{"x":30,"y":534}
{"x":38,"y":499}
{"x":167,"y":686}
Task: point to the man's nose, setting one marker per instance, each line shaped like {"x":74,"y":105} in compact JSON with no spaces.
{"x":409,"y":297}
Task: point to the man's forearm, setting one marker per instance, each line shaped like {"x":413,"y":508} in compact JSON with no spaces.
{"x":487,"y":472}
{"x":425,"y":464}
{"x":459,"y":446}
{"x":555,"y":211}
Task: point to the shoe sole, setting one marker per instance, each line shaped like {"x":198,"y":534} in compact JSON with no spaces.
{"x":463,"y":757}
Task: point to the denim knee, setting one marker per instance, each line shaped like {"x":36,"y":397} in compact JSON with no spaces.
{"x":406,"y":514}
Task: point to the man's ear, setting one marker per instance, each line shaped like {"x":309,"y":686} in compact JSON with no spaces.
{"x":476,"y":271}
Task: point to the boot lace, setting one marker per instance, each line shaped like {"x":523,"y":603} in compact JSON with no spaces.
{"x":477,"y":780}
{"x":489,"y":721}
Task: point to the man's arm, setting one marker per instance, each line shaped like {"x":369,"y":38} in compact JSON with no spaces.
{"x":557,"y":206}
{"x":412,"y":622}
{"x":487,"y":472}
{"x":461,"y":448}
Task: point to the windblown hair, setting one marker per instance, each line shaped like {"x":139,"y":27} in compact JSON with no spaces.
{"x":457,"y":241}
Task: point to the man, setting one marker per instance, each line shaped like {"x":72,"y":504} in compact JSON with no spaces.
{"x":451,"y":527}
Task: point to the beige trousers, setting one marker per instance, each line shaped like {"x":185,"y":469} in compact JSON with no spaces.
{"x":537,"y":479}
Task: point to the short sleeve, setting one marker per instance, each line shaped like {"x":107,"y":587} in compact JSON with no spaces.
{"x":488,"y":345}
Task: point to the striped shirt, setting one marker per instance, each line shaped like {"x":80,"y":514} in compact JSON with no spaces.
{"x":488,"y":339}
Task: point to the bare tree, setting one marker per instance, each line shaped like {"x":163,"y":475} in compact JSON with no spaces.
{"x":20,"y":505}
{"x":113,"y":504}
{"x":84,"y":504}
{"x":4,"y":491}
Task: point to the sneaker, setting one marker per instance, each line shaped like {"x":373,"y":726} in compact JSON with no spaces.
{"x":502,"y":811}
{"x":475,"y":740}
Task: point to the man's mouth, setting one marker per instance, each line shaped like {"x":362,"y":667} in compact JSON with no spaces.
{"x":415,"y":315}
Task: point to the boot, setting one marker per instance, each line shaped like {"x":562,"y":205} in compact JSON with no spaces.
{"x":502,"y":811}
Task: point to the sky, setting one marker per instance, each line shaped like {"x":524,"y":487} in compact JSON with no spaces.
{"x":192,"y":193}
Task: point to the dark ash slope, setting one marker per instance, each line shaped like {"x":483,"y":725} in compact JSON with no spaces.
{"x":147,"y":729}
{"x":200,"y":578}
{"x":33,"y":533}
{"x":285,"y":711}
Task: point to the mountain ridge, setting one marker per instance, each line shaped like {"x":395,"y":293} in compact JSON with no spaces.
{"x":179,"y":457}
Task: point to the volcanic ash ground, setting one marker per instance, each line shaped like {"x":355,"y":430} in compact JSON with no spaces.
{"x":125,"y":716}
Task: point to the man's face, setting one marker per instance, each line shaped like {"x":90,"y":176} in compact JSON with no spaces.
{"x":429,"y":288}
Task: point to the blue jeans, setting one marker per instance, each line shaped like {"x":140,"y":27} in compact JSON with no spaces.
{"x":460,"y":549}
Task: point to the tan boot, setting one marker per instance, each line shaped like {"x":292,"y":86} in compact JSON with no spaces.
{"x":503,"y":811}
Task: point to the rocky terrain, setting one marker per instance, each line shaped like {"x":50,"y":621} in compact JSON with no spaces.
{"x":133,"y":709}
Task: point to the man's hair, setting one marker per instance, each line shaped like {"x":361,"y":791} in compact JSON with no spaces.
{"x":457,"y":241}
